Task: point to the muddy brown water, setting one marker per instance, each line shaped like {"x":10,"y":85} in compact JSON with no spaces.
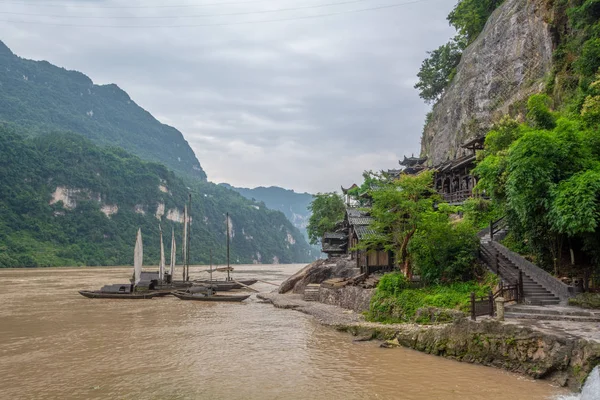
{"x":56,"y":344}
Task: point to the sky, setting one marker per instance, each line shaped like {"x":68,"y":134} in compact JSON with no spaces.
{"x":302,"y":94}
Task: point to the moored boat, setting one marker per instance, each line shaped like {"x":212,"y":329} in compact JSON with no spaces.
{"x":99,"y":294}
{"x":209,"y":296}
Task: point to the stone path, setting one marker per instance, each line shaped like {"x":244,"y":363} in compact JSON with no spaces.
{"x":335,"y":316}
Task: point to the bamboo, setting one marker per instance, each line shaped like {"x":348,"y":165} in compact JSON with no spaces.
{"x":270,"y":283}
{"x":245,"y":286}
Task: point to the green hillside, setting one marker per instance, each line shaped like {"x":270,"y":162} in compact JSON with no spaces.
{"x":67,"y":201}
{"x":42,"y":97}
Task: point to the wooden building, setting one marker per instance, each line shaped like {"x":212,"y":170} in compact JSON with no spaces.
{"x":334,"y":244}
{"x":357,"y":223}
{"x":454,"y":179}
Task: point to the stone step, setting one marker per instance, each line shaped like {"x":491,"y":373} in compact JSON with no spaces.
{"x":515,"y":309}
{"x":536,"y":302}
{"x":550,"y":317}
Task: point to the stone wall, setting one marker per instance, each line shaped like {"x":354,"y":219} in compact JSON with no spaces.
{"x":349,"y":297}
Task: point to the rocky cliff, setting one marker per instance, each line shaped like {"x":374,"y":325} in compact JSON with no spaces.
{"x":498,"y":71}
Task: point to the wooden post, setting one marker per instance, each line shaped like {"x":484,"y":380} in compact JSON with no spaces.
{"x":491,"y":301}
{"x":473,"y":317}
{"x":491,"y":231}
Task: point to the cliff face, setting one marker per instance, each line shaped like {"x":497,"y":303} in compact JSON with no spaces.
{"x":505,"y":64}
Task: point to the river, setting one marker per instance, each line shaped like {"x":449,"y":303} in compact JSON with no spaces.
{"x":56,"y":344}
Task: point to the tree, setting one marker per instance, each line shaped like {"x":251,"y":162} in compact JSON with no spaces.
{"x":548,"y":181}
{"x":398,"y":210}
{"x":437,"y":70}
{"x":469,"y":17}
{"x":327,"y":210}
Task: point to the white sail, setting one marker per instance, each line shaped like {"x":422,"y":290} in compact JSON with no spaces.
{"x":185,"y":235}
{"x":138,"y":257}
{"x":161,"y":266}
{"x":173,"y":253}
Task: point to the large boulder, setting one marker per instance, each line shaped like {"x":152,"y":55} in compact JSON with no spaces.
{"x":318,"y":272}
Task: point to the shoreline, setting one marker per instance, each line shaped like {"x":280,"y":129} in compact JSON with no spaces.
{"x":538,"y":350}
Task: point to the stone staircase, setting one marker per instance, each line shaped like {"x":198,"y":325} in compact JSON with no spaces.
{"x":534,"y":292}
{"x":551,"y":313}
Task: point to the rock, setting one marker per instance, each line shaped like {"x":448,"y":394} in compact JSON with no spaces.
{"x":499,"y":70}
{"x":318,"y":272}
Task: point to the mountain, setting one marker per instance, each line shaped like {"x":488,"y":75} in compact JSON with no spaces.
{"x":42,"y":98}
{"x":293,"y":205}
{"x":67,"y":201}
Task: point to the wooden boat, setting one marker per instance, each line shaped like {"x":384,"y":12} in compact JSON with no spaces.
{"x":209,"y":296}
{"x":99,"y":294}
{"x":228,"y":285}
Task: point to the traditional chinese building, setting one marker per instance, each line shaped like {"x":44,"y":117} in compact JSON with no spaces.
{"x":454,"y":179}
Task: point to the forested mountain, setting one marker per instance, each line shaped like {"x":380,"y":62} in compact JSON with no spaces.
{"x":293,"y":205}
{"x":67,"y":201}
{"x":42,"y":97}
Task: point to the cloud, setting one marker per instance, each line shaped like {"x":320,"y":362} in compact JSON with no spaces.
{"x":306,"y":104}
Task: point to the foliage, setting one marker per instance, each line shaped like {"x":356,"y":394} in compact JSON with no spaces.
{"x":437,"y":70}
{"x":469,"y":17}
{"x":586,"y":300}
{"x":443,"y":252}
{"x":327,"y":210}
{"x":547,"y":180}
{"x":394,"y":303}
{"x":42,"y":98}
{"x":34,"y":232}
{"x":397,"y":211}
{"x":478,"y":212}
{"x":539,"y":114}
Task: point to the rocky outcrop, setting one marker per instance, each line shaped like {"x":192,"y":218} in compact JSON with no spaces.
{"x":318,"y":272}
{"x":499,"y":70}
{"x":564,"y":360}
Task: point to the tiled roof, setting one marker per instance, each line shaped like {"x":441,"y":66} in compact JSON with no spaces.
{"x":360,"y":220}
{"x":363,"y":231}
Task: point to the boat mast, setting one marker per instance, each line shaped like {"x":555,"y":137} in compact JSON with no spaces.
{"x":184,"y":246}
{"x":210,"y":269}
{"x":228,"y":278}
{"x":173,"y":253}
{"x":187,"y":271}
{"x":161,"y":266}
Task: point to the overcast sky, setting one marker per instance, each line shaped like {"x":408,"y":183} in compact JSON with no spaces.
{"x":302,"y":103}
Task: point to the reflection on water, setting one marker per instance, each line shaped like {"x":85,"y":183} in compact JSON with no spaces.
{"x":56,"y":344}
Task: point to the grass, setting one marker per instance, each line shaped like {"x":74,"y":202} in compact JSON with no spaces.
{"x":394,"y":302}
{"x":586,"y":300}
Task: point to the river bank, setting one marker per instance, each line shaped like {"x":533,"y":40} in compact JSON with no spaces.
{"x":539,"y":350}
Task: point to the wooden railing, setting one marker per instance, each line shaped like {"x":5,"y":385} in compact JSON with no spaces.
{"x":497,"y":226}
{"x":482,"y":305}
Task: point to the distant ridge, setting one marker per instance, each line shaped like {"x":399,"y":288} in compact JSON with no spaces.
{"x":42,"y":97}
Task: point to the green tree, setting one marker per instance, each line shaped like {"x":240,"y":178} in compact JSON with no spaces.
{"x":398,"y":211}
{"x":327,"y":210}
{"x":437,"y":70}
{"x":469,"y":17}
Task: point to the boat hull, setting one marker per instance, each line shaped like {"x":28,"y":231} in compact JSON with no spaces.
{"x":91,"y":294}
{"x":200,"y":297}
